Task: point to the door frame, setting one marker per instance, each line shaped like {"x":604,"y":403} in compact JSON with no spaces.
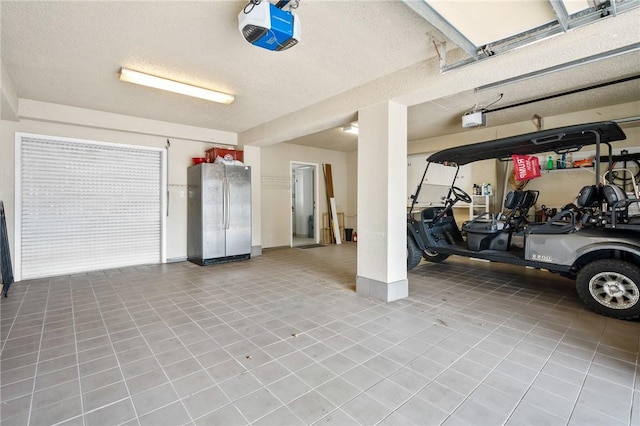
{"x":316,"y":199}
{"x":163,"y":177}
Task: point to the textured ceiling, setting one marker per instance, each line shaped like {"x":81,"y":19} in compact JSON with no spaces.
{"x":70,"y":53}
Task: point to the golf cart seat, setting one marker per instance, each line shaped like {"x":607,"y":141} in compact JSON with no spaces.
{"x":529,"y":199}
{"x":484,"y":233}
{"x":618,"y":206}
{"x":588,"y":201}
{"x":564,"y":221}
{"x":589,"y":196}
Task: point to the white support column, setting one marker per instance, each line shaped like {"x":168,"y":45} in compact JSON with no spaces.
{"x":382,"y":188}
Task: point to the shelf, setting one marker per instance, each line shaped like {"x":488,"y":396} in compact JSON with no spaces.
{"x":589,"y":169}
{"x":483,"y":206}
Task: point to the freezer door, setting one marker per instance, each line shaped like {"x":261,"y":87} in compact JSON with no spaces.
{"x":213,"y":231}
{"x":238,"y":210}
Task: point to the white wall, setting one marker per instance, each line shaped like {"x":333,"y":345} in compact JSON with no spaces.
{"x":492,"y":171}
{"x":275,"y":186}
{"x":180,"y":153}
{"x":271,"y":215}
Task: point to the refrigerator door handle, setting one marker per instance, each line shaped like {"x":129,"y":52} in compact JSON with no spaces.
{"x":227,"y":202}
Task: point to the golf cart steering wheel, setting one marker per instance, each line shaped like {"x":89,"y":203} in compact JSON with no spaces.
{"x":460,"y":195}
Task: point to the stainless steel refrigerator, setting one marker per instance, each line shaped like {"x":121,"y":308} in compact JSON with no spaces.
{"x":218,"y":213}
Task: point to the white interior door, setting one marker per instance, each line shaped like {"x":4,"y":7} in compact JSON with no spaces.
{"x":303,"y":203}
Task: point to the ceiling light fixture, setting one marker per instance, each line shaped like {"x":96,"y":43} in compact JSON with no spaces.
{"x":148,"y":80}
{"x":351,"y":128}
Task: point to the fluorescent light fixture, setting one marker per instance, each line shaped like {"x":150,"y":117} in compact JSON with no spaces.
{"x":351,"y":128}
{"x":143,"y":79}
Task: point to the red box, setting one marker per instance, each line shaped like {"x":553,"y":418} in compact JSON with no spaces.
{"x":227,"y":154}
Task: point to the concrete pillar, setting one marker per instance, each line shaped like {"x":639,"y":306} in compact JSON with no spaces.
{"x":382,"y":189}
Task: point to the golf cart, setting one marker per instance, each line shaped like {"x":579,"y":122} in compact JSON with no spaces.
{"x":595,"y":240}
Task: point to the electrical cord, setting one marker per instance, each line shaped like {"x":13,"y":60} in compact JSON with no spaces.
{"x":494,"y":102}
{"x":479,"y":107}
{"x":293,"y":4}
{"x":249,"y":6}
{"x":620,"y":177}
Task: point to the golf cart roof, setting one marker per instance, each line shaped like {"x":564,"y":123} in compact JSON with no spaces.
{"x":562,"y":139}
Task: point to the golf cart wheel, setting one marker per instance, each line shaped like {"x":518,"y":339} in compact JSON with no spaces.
{"x":611,"y":287}
{"x":413,"y":253}
{"x":432,"y":256}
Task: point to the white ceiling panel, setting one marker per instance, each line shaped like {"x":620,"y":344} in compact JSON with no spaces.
{"x":484,"y":22}
{"x":575,"y":6}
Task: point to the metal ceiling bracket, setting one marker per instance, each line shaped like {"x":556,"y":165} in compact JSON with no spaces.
{"x":441,"y":50}
{"x":561,"y":13}
{"x":434,"y":18}
{"x":564,"y":66}
{"x":599,"y":9}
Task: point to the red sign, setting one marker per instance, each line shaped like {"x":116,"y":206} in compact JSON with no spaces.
{"x":525,"y":167}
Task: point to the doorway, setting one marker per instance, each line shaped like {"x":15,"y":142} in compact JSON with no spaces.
{"x":304,"y":199}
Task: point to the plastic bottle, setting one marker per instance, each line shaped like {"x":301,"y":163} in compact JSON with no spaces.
{"x":550,"y":163}
{"x":488,"y":189}
{"x":569,"y":161}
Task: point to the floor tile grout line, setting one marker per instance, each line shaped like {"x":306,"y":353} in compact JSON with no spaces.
{"x":337,"y":407}
{"x":156,"y":359}
{"x":456,"y":312}
{"x":634,"y":389}
{"x":75,"y":340}
{"x":538,"y":373}
{"x":363,"y":391}
{"x":586,"y":376}
{"x":92,"y":411}
{"x":595,"y":352}
{"x":99,"y":308}
{"x":15,"y":318}
{"x":209,"y":374}
{"x":415,"y":394}
{"x":461,"y":356}
{"x":435,"y":323}
{"x":35,"y":374}
{"x":248,"y":371}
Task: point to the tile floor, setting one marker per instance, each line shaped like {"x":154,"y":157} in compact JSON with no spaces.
{"x":283,"y":339}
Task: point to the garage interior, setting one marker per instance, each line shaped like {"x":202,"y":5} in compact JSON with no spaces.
{"x":289,"y":336}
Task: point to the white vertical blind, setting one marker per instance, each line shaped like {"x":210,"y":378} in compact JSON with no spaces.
{"x":88,"y":206}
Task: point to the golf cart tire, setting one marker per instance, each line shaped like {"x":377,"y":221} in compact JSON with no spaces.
{"x":594,"y":279}
{"x":434,"y":257}
{"x":413,"y":253}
